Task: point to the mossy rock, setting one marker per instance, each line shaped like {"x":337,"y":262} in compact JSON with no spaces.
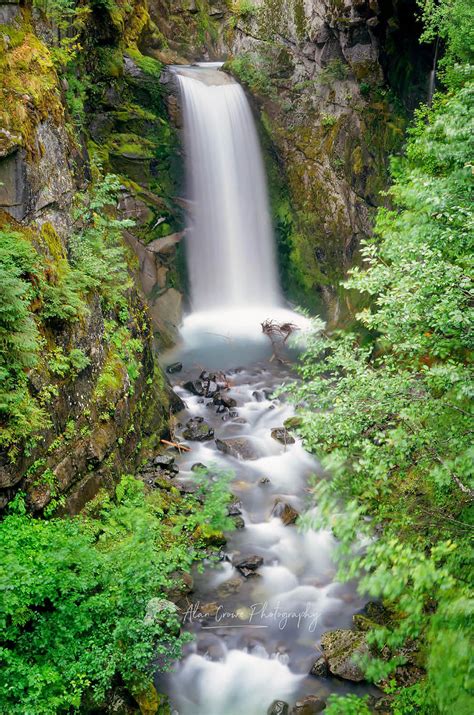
{"x":341,"y":648}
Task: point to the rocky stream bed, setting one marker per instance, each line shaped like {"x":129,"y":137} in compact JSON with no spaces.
{"x":274,"y":632}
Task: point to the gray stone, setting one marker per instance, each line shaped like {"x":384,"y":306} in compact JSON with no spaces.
{"x":282,"y":435}
{"x":285,"y":512}
{"x":197,"y":430}
{"x":310,"y":705}
{"x":340,"y":648}
{"x":236,"y":447}
{"x":247,"y":565}
{"x":278,"y":707}
{"x":320,"y":668}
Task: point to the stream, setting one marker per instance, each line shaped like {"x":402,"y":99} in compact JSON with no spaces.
{"x":255,"y":637}
{"x":258,"y":614}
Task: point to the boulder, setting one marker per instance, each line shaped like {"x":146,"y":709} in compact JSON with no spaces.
{"x":163,"y":460}
{"x":224,"y":401}
{"x":282,"y":435}
{"x":174,"y":367}
{"x":197,"y":430}
{"x":235,"y":508}
{"x":247,"y":565}
{"x":228,"y":588}
{"x":236,"y":447}
{"x":198,"y":466}
{"x":285,"y":512}
{"x":310,"y":705}
{"x":202,"y":388}
{"x":278,"y":707}
{"x":320,"y":668}
{"x":340,"y":648}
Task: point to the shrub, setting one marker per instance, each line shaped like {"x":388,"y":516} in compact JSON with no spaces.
{"x":75,"y":594}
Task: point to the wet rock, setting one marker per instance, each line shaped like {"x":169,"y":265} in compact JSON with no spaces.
{"x":163,"y":460}
{"x":320,"y":668}
{"x":278,"y":707}
{"x":236,"y":447}
{"x":235,"y":508}
{"x":189,"y":489}
{"x":197,"y":466}
{"x":195,"y":386}
{"x":248,"y":565}
{"x":340,"y":648}
{"x":285,"y":512}
{"x":209,"y":609}
{"x":228,"y":588}
{"x":174,"y":367}
{"x":239,"y":523}
{"x":197,"y":430}
{"x":258,"y":395}
{"x":310,"y":705}
{"x":263,"y":481}
{"x":120,"y":702}
{"x":203,"y":387}
{"x":158,"y":468}
{"x":224,"y":400}
{"x":282,"y":435}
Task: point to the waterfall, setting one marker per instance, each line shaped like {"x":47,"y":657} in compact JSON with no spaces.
{"x":230,"y":244}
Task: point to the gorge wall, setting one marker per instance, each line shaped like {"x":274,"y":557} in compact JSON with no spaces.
{"x":88,"y":400}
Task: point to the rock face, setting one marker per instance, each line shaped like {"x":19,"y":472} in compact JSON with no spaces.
{"x":340,"y":647}
{"x":101,"y":418}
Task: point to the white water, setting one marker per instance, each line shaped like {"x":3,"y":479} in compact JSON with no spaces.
{"x":231,"y":256}
{"x":239,"y":664}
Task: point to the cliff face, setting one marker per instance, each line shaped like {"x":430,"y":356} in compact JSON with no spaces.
{"x":80,"y":101}
{"x":332,"y":81}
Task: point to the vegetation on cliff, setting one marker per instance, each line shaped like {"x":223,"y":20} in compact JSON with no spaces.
{"x":390,"y":413}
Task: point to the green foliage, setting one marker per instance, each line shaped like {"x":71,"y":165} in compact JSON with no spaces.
{"x":348,"y":705}
{"x":252,"y":70}
{"x":335,"y":71}
{"x":389,"y":412}
{"x":19,"y":275}
{"x":244,"y":9}
{"x":38,"y":293}
{"x":75,"y":595}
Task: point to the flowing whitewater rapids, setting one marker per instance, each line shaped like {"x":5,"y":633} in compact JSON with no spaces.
{"x":256,"y":637}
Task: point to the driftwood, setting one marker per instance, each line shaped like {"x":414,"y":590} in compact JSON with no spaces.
{"x":278,"y":333}
{"x":176,"y":445}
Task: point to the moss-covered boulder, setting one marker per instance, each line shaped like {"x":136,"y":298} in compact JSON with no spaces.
{"x":341,"y":649}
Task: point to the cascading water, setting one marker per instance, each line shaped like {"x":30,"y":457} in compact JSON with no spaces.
{"x":256,"y":634}
{"x":230,"y":249}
